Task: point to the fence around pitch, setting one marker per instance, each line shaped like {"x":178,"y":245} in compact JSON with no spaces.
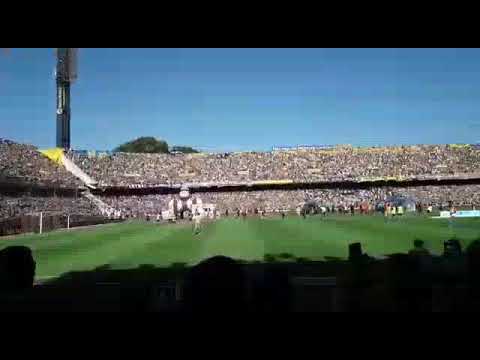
{"x":31,"y":223}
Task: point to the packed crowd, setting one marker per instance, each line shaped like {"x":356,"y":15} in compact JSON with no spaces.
{"x":338,"y":164}
{"x":464,"y":196}
{"x":19,"y":161}
{"x":25,"y":162}
{"x":28,"y":205}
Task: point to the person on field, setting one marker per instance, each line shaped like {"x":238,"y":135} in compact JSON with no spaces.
{"x":197,"y":222}
{"x":393,"y":210}
{"x":400,"y":210}
{"x":453,"y":210}
{"x":352,"y":210}
{"x":302,"y":213}
{"x":283,"y":215}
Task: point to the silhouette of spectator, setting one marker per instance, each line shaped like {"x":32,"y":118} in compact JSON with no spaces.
{"x":354,"y":251}
{"x":355,"y":254}
{"x":17,"y":269}
{"x":410,"y":288}
{"x":418,"y":248}
{"x":452,"y":248}
{"x":274,"y":293}
{"x":473,"y":274}
{"x":217,"y":284}
{"x":473,"y":262}
{"x":354,"y":281}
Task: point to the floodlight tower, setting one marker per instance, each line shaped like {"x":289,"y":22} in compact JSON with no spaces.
{"x":66,"y":74}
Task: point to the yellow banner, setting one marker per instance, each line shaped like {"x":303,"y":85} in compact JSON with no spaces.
{"x":55,"y":154}
{"x":383,"y":178}
{"x":459,"y":146}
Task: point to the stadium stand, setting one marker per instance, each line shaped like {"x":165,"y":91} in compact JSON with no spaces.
{"x":27,"y":205}
{"x":206,"y":174}
{"x":34,"y":182}
{"x":416,"y":281}
{"x":465,"y":196}
{"x":339,"y":164}
{"x":25,"y":163}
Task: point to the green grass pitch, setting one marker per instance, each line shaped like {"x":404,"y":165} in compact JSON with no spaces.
{"x":129,"y":245}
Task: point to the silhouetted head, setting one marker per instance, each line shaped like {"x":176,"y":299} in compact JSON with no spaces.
{"x":216,"y":284}
{"x":17,"y":268}
{"x":354,"y":251}
{"x":452,"y":247}
{"x":418,"y":243}
{"x":418,"y":248}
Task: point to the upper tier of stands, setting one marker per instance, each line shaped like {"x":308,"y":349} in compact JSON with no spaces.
{"x":20,"y":162}
{"x":338,"y":164}
{"x":24,"y":163}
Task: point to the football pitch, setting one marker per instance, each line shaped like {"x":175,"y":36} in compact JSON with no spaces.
{"x":129,"y":245}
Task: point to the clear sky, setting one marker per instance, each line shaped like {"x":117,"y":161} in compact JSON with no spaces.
{"x":247,"y":99}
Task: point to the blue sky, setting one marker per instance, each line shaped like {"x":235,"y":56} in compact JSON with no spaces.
{"x":247,"y":99}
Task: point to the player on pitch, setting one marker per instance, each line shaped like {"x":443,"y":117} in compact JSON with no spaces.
{"x":197,"y":223}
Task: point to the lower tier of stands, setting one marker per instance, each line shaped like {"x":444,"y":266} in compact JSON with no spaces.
{"x":462,"y":196}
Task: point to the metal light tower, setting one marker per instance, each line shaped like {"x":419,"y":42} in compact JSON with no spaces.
{"x":66,"y":74}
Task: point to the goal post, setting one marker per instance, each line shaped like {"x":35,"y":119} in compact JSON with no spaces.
{"x":48,"y":221}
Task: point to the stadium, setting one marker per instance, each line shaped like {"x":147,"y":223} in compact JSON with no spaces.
{"x":96,"y":216}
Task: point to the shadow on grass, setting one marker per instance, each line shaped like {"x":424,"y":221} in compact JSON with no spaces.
{"x":145,"y":288}
{"x":333,"y":258}
{"x":283,"y":258}
{"x":144,"y":273}
{"x":269,"y":258}
{"x":148,"y":287}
